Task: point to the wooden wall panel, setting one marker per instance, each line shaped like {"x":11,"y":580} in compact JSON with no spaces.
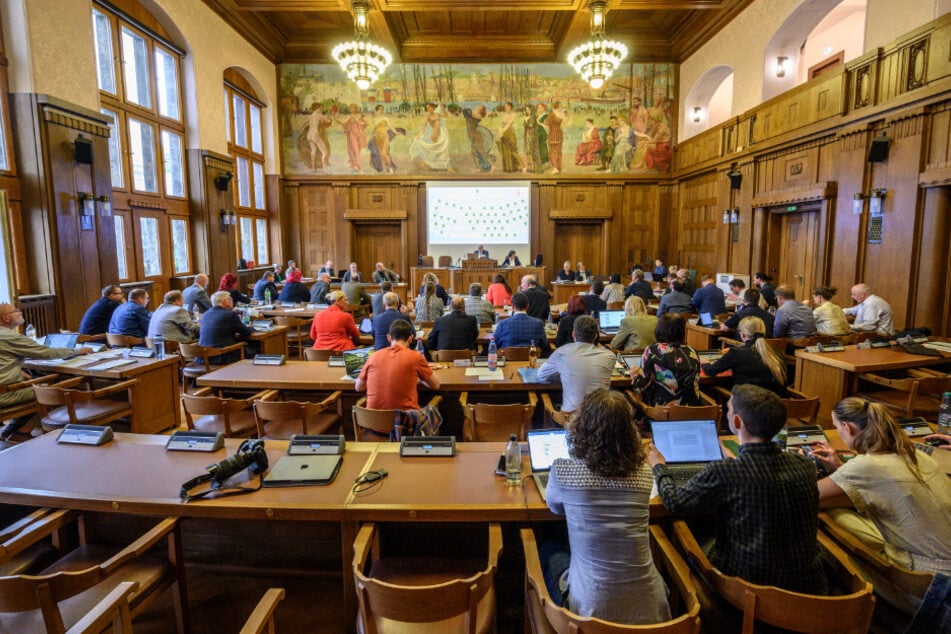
{"x":845,"y":240}
{"x":932,"y":303}
{"x":318,"y":228}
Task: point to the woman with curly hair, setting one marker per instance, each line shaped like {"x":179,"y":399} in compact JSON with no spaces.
{"x":603,"y":490}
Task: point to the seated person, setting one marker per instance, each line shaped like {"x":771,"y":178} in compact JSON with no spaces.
{"x":902,"y":495}
{"x":582,"y":274}
{"x":327,"y":268}
{"x":565,"y":274}
{"x":660,"y":271}
{"x":229,"y":282}
{"x":766,"y":290}
{"x":640,"y":287}
{"x":172,"y":321}
{"x":737,"y":286}
{"x":376,"y":299}
{"x":755,"y":362}
{"x":350,"y":272}
{"x":539,"y":300}
{"x":96,"y":318}
{"x":829,"y":317}
{"x":221,"y":326}
{"x":603,"y":489}
{"x":566,"y":323}
{"x":481,"y":253}
{"x":265,"y":284}
{"x":318,"y":292}
{"x":872,"y":313}
{"x":749,"y":307}
{"x":670,"y":371}
{"x":383,"y":274}
{"x":581,"y":366}
{"x":593,"y":303}
{"x":440,"y":291}
{"x":637,"y":327}
{"x":511,"y":259}
{"x":521,"y":329}
{"x":356,"y":293}
{"x":614,"y":291}
{"x":294,"y":290}
{"x":481,"y":309}
{"x":428,"y":305}
{"x":455,"y":330}
{"x":390,"y":376}
{"x":499,"y":292}
{"x":334,"y":328}
{"x":132,"y":318}
{"x":382,"y":319}
{"x":793,"y":319}
{"x":676,"y":301}
{"x":758,"y":538}
{"x":708,"y":298}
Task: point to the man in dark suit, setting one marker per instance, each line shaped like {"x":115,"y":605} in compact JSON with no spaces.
{"x":539,"y":301}
{"x":384,"y":318}
{"x":265,"y":284}
{"x":220,"y":326}
{"x":383,"y":274}
{"x":96,"y":319}
{"x":318,"y":292}
{"x":481,"y":253}
{"x":132,"y":318}
{"x":350,"y":272}
{"x":521,"y":329}
{"x":708,"y":298}
{"x":639,"y":287}
{"x":456,"y":330}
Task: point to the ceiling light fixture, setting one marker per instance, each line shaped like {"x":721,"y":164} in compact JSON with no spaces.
{"x":596,"y":59}
{"x":361,"y":59}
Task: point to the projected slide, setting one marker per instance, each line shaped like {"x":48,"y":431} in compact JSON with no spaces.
{"x":478,"y":213}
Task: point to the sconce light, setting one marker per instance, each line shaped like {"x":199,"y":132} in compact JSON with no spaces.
{"x":696,"y":114}
{"x":226,"y":218}
{"x":781,"y":66}
{"x":105,"y":206}
{"x":875,"y":200}
{"x":857,"y":203}
{"x":87,"y":203}
{"x":735,"y":215}
{"x":726,"y":216}
{"x":222,"y":181}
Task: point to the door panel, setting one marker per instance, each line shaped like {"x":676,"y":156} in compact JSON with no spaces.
{"x":378,"y":243}
{"x":799,"y":252}
{"x":577,"y":242}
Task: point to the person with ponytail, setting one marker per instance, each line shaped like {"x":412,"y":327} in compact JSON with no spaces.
{"x":753,"y":363}
{"x":901,"y":496}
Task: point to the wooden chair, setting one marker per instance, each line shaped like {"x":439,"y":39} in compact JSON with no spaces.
{"x":234,"y":417}
{"x":553,"y":416}
{"x":61,"y":404}
{"x":123,"y":341}
{"x":445,"y":260}
{"x":486,"y":422}
{"x":262,"y":618}
{"x":23,"y":408}
{"x":310,"y":354}
{"x":282,"y":419}
{"x":426,"y":261}
{"x":298,"y":333}
{"x":23,"y":547}
{"x":376,"y":424}
{"x":200,"y":359}
{"x":515,"y":353}
{"x":616,"y":305}
{"x":709,"y":409}
{"x":850,"y":611}
{"x":911,"y":396}
{"x":433,"y":594}
{"x":171,"y":346}
{"x":543,"y":616}
{"x":801,"y":409}
{"x":58,"y":597}
{"x":81,"y":338}
{"x":452,"y":355}
{"x":877,"y":569}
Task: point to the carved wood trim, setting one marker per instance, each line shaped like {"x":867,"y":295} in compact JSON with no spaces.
{"x":595,"y":213}
{"x":384,"y":215}
{"x":147,"y":204}
{"x":935,"y":177}
{"x":68,"y":120}
{"x":796,"y":195}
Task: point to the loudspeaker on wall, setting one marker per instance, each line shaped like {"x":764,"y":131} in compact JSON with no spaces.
{"x":736,"y":178}
{"x":878,"y":150}
{"x":82,"y":150}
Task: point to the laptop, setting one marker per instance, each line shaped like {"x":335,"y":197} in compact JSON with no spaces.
{"x":355,"y":359}
{"x":631,"y":361}
{"x":915,"y":427}
{"x":610,"y":321}
{"x":61,"y":340}
{"x":262,"y":325}
{"x":804,"y":435}
{"x":303,"y":470}
{"x":648,"y":276}
{"x":707,"y":321}
{"x":544,"y":446}
{"x":687,"y":445}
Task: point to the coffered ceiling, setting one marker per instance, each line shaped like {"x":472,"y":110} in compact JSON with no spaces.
{"x":304,"y":31}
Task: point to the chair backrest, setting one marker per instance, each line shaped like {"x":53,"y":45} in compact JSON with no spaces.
{"x":709,"y":409}
{"x":803,"y":410}
{"x":171,"y":346}
{"x":515,"y":353}
{"x":293,"y":322}
{"x":122,"y":341}
{"x":849,"y":612}
{"x":378,"y":422}
{"x":196,"y":406}
{"x":52,"y":396}
{"x":486,"y":422}
{"x":426,"y":261}
{"x":547,"y":617}
{"x":195,"y":351}
{"x":445,"y":260}
{"x":310,"y":354}
{"x":21,"y":593}
{"x":452,"y":355}
{"x":616,"y":305}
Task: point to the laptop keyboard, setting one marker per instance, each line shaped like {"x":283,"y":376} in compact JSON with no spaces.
{"x":683,"y":472}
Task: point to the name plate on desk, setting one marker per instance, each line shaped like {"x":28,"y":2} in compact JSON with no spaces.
{"x":85,"y":435}
{"x":268,"y":359}
{"x":144,"y":353}
{"x":195,"y":441}
{"x":428,"y":446}
{"x":326,"y":444}
{"x":833,"y":346}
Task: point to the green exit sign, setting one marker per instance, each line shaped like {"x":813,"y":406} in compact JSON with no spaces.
{"x":791,"y":208}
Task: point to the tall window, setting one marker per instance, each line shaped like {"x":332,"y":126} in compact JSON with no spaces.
{"x":139,"y":73}
{"x":243,"y":114}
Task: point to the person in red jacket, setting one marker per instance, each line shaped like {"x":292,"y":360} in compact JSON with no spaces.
{"x":334,"y":328}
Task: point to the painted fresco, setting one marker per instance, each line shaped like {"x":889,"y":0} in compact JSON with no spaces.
{"x":468,"y":119}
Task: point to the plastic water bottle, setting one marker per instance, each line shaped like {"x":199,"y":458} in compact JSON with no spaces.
{"x":30,"y":331}
{"x":196,"y":313}
{"x":158,"y":342}
{"x":493,"y":356}
{"x":397,"y":427}
{"x":944,"y":414}
{"x":533,"y":355}
{"x":267,"y":296}
{"x":420,"y":348}
{"x":513,"y":462}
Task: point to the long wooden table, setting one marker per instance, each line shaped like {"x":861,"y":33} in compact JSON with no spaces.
{"x":834,"y":375}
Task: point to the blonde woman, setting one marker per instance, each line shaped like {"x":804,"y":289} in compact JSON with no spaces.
{"x":755,"y":362}
{"x":428,"y":306}
{"x":430,"y":278}
{"x":637,"y":327}
{"x":830,"y":318}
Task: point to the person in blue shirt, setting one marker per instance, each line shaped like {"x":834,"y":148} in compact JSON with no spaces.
{"x":709,"y":298}
{"x":263,"y":285}
{"x":383,"y":319}
{"x":521,"y":329}
{"x":132,"y":318}
{"x":660,"y":271}
{"x":96,"y":319}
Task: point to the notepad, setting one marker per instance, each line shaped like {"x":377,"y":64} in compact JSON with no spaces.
{"x":109,"y":365}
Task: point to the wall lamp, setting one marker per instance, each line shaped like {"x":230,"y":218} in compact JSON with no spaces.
{"x":87,"y":203}
{"x":858,"y":202}
{"x":781,"y":66}
{"x":226,"y":218}
{"x":696,"y":114}
{"x":731,"y":216}
{"x":105,"y":206}
{"x":875,"y":201}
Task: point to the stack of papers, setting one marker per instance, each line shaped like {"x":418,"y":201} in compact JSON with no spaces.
{"x":485,"y":374}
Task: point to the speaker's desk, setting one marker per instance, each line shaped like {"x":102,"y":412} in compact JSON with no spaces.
{"x":834,"y":375}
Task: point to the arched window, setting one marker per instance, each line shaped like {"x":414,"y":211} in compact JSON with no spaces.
{"x":243,"y":116}
{"x":709,"y":101}
{"x":139,"y":74}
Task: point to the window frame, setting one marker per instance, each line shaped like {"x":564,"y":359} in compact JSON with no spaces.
{"x":240,"y":152}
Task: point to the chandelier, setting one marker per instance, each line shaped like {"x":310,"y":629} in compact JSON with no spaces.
{"x":361,"y":59}
{"x":596,"y":59}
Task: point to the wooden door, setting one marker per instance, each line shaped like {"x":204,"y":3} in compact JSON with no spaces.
{"x":151,"y":262}
{"x":578,"y":242}
{"x":374,"y":243}
{"x":799,"y":252}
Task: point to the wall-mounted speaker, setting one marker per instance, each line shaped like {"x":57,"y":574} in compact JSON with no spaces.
{"x":878,"y":150}
{"x":736,"y":178}
{"x":82,"y":150}
{"x":222,"y":181}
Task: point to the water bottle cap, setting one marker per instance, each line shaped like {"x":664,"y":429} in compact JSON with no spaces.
{"x":513,"y":437}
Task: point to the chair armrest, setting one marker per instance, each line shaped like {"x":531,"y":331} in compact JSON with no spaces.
{"x":71,"y":383}
{"x":12,"y":530}
{"x":547,"y":404}
{"x":263,"y":395}
{"x":362,"y":402}
{"x":140,"y":546}
{"x":722,"y":392}
{"x":533,"y":564}
{"x":435,"y":401}
{"x":495,"y":544}
{"x":27,"y":383}
{"x":797,"y":394}
{"x":677,"y":568}
{"x":926,"y":373}
{"x":263,"y":611}
{"x":691,"y":548}
{"x":204,"y":391}
{"x":113,"y":605}
{"x":331,"y":398}
{"x":709,"y":400}
{"x":34,"y":531}
{"x":362,"y":546}
{"x":118,"y":387}
{"x":464,"y":400}
{"x":871,"y":377}
{"x":636,"y":400}
{"x":532,"y":400}
{"x":730,"y":342}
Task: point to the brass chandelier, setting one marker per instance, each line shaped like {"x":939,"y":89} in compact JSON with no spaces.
{"x":596,"y":59}
{"x":361,"y":59}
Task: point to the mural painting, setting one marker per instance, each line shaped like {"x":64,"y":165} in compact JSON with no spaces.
{"x":467,"y":119}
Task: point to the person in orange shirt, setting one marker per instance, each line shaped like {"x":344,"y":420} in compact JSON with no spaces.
{"x":334,"y":328}
{"x":391,"y":375}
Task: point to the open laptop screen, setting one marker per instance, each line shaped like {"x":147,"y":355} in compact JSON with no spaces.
{"x":61,"y":340}
{"x":545,"y":445}
{"x":687,"y":440}
{"x":354,"y":360}
{"x":608,"y":319}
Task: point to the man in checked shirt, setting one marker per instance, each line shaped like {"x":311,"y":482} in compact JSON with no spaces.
{"x":765,"y":500}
